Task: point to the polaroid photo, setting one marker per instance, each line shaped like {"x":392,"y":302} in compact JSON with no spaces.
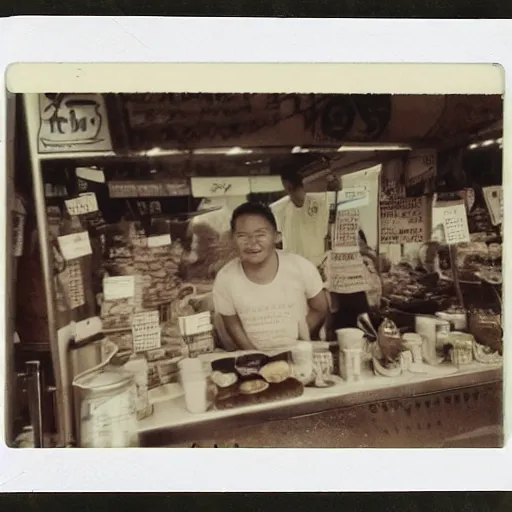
{"x":258,"y":245}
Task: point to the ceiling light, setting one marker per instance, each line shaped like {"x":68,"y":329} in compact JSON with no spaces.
{"x":374,"y":147}
{"x":489,"y":142}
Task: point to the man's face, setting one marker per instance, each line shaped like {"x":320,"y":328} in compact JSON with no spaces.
{"x":296,"y":194}
{"x":255,"y":238}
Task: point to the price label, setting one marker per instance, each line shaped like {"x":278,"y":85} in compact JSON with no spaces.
{"x":75,"y":284}
{"x":119,"y":287}
{"x":225,"y":186}
{"x":346,"y":272}
{"x":346,"y":229}
{"x":75,"y":245}
{"x":455,"y":222}
{"x":86,"y":203}
{"x":352,"y":197}
{"x":494,"y":199}
{"x":146,"y":331}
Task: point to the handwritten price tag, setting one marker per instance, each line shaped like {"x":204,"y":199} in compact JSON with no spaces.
{"x":86,"y":203}
{"x":494,"y":199}
{"x":346,"y":229}
{"x":75,"y":285}
{"x":146,"y":331}
{"x":119,"y":287}
{"x":75,"y":245}
{"x":225,"y":186}
{"x":455,"y":222}
{"x":403,"y":220}
{"x":346,"y":272}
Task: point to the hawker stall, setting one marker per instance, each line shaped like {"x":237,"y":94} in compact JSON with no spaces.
{"x":133,"y":202}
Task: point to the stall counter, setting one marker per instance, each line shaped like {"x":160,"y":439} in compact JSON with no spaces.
{"x":171,"y":423}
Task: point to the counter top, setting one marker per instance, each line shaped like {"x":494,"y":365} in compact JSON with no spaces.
{"x":172,"y":417}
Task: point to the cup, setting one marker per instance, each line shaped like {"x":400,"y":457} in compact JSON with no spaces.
{"x":350,"y":364}
{"x":350,"y":338}
{"x":302,"y":357}
{"x":196,"y":392}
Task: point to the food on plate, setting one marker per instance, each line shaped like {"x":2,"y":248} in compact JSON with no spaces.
{"x":224,"y":380}
{"x":253,"y":386}
{"x":276,"y":372}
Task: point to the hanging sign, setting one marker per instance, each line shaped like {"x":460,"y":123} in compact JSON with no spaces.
{"x":75,"y":245}
{"x":346,"y":229}
{"x":420,"y":166}
{"x":82,"y":205}
{"x":220,"y":186}
{"x":346,"y":272}
{"x":403,"y":220}
{"x":494,"y":199}
{"x":73,"y":122}
{"x":455,"y":223}
{"x":120,"y":189}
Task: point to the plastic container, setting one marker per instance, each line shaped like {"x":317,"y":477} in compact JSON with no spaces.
{"x":302,"y":357}
{"x":350,"y":364}
{"x":414,"y":343}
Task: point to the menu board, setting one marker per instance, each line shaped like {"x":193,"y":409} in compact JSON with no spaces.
{"x":494,"y":199}
{"x":403,"y":220}
{"x":455,"y":223}
{"x":346,"y":272}
{"x":346,"y":229}
{"x":420,"y":166}
{"x":73,"y":122}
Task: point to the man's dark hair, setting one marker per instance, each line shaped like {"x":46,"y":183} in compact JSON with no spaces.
{"x":293,"y":177}
{"x":253,"y":208}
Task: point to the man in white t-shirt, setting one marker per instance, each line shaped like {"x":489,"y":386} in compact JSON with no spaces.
{"x":267,"y":298}
{"x":302,"y":219}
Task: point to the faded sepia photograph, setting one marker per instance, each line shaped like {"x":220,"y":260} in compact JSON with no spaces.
{"x":233,"y":270}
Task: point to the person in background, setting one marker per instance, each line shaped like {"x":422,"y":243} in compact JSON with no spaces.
{"x":268,"y":298}
{"x":302,"y":219}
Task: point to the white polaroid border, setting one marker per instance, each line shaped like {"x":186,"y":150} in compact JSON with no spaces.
{"x":310,"y":47}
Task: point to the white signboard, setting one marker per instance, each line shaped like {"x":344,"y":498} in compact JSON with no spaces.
{"x":346,"y":272}
{"x":73,"y":122}
{"x":265,"y":184}
{"x":118,"y":287}
{"x":455,"y":223}
{"x":75,"y":245}
{"x":222,"y":186}
{"x":159,"y":241}
{"x":494,"y":199}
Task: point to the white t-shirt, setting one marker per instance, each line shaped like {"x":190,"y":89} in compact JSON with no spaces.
{"x":270,"y":313}
{"x":303,"y":229}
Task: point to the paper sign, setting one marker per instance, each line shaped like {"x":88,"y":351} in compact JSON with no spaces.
{"x":494,"y":199}
{"x":75,"y":245}
{"x":146,"y":331}
{"x":420,"y":166}
{"x":455,"y":222}
{"x":222,"y":186}
{"x":18,"y":221}
{"x":352,"y":197}
{"x":403,"y":220}
{"x":159,"y":241}
{"x":119,"y":287}
{"x":346,"y":229}
{"x":85,"y":203}
{"x":346,"y":272}
{"x":195,"y":324}
{"x":75,"y":284}
{"x":265,"y":184}
{"x":89,"y":174}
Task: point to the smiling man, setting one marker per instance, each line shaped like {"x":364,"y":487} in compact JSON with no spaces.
{"x":268,"y":298}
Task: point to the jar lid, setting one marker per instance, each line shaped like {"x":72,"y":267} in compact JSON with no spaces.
{"x":109,"y":378}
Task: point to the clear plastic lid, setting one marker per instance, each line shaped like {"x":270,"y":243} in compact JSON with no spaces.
{"x":110,"y":378}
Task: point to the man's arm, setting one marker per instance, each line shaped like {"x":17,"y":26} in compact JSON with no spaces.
{"x":237,"y":332}
{"x":317,"y":313}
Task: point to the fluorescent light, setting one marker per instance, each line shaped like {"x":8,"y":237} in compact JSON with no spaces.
{"x":489,"y":142}
{"x":299,"y":149}
{"x":238,"y":151}
{"x":473,"y":146}
{"x":374,"y":147}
